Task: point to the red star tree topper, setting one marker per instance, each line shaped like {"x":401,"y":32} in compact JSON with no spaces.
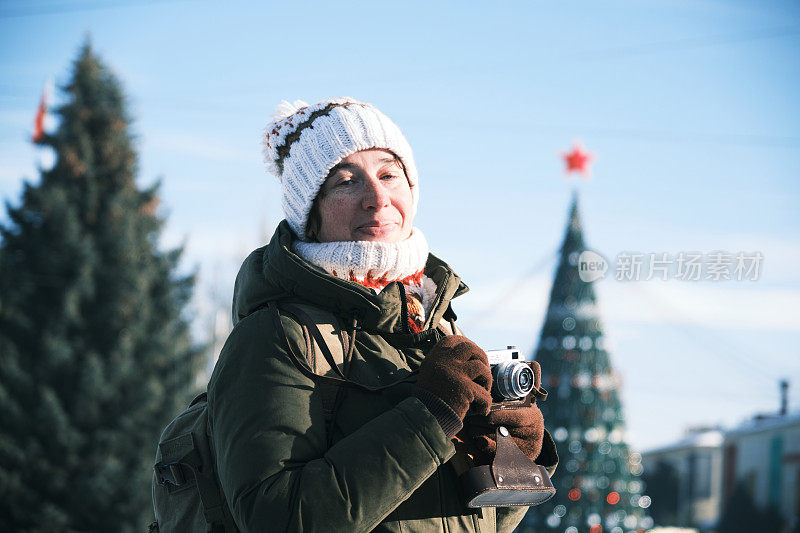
{"x":577,"y":160}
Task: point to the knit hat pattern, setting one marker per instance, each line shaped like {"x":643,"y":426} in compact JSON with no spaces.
{"x":304,"y":142}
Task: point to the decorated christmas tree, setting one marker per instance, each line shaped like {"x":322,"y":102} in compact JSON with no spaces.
{"x":597,"y":481}
{"x":95,"y":351}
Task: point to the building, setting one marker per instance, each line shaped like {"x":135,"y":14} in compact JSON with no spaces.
{"x":696,"y":461}
{"x":763,"y":454}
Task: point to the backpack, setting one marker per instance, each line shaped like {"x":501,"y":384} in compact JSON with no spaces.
{"x":187,"y":496}
{"x":185,"y":488}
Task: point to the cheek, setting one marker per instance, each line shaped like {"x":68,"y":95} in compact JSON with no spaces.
{"x":404,"y":203}
{"x":335,"y":209}
{"x":335,"y":216}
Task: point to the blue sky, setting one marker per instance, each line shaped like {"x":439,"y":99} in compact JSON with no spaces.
{"x":690,"y":109}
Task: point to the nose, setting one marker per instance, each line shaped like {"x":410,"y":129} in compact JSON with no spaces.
{"x":375,"y":194}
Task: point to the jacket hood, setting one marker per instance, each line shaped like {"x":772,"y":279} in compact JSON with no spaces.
{"x":275,"y":273}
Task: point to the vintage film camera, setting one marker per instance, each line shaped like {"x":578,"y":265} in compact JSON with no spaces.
{"x":512,"y":379}
{"x":512,"y":479}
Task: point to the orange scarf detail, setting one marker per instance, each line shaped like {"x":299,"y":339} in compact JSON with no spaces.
{"x":415,"y":311}
{"x":380,"y":283}
{"x":413,"y":304}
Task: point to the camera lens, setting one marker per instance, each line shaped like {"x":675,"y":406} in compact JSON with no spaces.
{"x":524,"y":379}
{"x":523,"y":384}
{"x":512,"y":380}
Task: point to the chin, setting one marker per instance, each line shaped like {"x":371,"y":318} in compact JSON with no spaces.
{"x":380,"y":238}
{"x":395,"y":234}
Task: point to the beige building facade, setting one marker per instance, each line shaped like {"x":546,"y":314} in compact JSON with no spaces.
{"x":763,"y":453}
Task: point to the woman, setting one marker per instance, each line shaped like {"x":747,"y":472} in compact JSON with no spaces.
{"x":348,"y":246}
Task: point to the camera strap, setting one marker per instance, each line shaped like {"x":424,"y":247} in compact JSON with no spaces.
{"x":538,"y":392}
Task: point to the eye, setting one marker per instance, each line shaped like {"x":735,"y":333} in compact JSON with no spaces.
{"x":344,"y":181}
{"x":389,"y":176}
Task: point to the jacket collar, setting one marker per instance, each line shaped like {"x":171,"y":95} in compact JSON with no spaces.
{"x":274,"y":273}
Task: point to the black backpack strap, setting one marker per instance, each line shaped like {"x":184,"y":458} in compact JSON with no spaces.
{"x":215,"y":508}
{"x":309,"y":373}
{"x":311,"y":331}
{"x":202,"y":397}
{"x":336,"y":346}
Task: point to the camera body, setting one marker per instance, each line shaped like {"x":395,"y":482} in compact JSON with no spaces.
{"x":512,"y":478}
{"x":512,"y":379}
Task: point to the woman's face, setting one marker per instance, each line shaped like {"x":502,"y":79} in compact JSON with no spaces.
{"x":366,"y":197}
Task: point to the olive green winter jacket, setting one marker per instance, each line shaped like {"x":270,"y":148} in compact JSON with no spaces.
{"x":387,"y":468}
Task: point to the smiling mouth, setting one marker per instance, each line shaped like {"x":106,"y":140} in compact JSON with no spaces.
{"x":377,"y":224}
{"x":377,"y":228}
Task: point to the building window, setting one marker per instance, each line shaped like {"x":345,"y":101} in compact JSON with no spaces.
{"x":701,"y":475}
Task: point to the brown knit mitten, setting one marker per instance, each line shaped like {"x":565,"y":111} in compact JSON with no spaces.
{"x":525,"y":425}
{"x":454,"y":377}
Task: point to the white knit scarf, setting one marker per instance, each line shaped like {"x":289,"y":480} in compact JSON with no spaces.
{"x":375,"y":264}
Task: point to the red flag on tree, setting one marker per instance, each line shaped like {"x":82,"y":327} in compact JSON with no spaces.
{"x":41,"y":114}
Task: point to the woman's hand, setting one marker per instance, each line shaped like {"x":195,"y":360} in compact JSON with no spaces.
{"x":454,"y":378}
{"x":525,"y":425}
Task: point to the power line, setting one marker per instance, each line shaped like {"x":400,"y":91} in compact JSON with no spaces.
{"x":539,"y":129}
{"x":54,"y":8}
{"x":515,"y":288}
{"x":689,"y":43}
{"x":632,"y":134}
{"x":743,"y":359}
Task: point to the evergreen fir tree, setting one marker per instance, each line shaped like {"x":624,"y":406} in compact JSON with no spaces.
{"x":95,"y":351}
{"x":597,"y":481}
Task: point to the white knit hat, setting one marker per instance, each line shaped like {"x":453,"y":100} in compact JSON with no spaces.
{"x":304,"y":142}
